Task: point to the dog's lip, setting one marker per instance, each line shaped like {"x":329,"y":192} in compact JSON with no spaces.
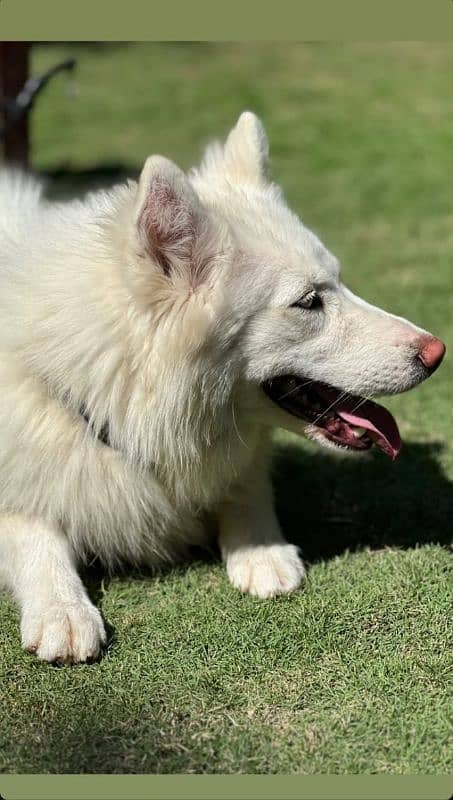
{"x":337,"y":415}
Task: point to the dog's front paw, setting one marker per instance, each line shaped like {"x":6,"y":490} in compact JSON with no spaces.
{"x":266,"y":570}
{"x":64,"y":634}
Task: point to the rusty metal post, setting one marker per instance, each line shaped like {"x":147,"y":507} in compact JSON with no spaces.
{"x":14,"y":67}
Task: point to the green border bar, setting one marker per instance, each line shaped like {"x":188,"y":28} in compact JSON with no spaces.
{"x":212,"y":20}
{"x":224,"y":787}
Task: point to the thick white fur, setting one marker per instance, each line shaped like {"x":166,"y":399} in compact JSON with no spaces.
{"x":161,"y":307}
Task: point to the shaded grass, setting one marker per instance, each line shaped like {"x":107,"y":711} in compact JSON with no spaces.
{"x":351,"y":674}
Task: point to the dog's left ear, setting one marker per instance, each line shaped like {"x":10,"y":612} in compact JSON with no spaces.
{"x":168,"y":216}
{"x":246,"y":151}
{"x":244,"y":156}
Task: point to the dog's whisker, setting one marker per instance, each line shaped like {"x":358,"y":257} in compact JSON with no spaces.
{"x":236,"y":427}
{"x":361,"y":402}
{"x":342,"y":396}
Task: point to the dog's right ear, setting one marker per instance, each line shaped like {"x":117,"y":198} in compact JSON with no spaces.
{"x":168,"y":215}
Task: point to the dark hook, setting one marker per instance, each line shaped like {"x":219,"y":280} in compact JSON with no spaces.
{"x":15,"y":109}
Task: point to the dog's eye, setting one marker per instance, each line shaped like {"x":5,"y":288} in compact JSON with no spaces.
{"x":311,"y":301}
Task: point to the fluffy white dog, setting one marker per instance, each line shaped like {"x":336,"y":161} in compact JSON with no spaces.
{"x":151,"y":337}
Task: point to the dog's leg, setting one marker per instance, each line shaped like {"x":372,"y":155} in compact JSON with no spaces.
{"x":58,"y":621}
{"x":258,"y":558}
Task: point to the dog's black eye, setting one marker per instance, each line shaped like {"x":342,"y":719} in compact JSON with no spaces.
{"x":310,"y":301}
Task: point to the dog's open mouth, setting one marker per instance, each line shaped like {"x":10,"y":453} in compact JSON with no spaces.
{"x":346,"y":420}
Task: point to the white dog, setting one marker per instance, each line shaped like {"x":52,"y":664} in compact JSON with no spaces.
{"x":151,"y":337}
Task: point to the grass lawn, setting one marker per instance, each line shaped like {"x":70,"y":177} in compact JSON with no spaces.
{"x":351,"y":674}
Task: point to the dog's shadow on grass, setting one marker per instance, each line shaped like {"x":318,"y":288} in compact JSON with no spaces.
{"x":65,"y":181}
{"x":329,"y":505}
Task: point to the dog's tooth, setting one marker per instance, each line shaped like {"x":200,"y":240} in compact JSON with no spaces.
{"x":359,"y":432}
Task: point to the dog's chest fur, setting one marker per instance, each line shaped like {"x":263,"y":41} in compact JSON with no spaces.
{"x":51,"y":466}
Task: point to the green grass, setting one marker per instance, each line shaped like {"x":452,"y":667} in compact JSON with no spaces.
{"x":351,"y":674}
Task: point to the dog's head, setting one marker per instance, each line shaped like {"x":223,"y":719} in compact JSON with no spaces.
{"x":237,"y":277}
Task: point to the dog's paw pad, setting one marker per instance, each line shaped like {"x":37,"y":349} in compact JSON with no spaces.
{"x":63,"y":634}
{"x":266,"y":571}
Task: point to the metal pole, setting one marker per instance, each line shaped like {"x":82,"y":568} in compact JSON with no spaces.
{"x":14,"y":67}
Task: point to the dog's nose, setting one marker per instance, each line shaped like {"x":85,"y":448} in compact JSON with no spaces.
{"x":431,"y":352}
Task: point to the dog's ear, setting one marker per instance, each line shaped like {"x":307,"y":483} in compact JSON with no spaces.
{"x":242,"y":159}
{"x":246,"y":150}
{"x":168,"y":215}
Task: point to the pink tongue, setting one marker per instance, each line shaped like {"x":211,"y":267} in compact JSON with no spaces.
{"x":380,"y":425}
